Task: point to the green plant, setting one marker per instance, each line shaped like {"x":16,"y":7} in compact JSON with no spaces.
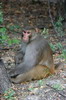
{"x":13,"y":27}
{"x":63,"y":55}
{"x":41,"y":82}
{"x":45,"y":31}
{"x":31,"y":89}
{"x":9,"y":94}
{"x":53,"y":47}
{"x":57,"y":86}
{"x":59,"y":27}
{"x":59,"y":46}
{"x":4,"y":38}
{"x":1,"y":14}
{"x":13,"y":41}
{"x":1,"y":17}
{"x":56,"y":46}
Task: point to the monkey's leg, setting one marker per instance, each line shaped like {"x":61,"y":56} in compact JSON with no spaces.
{"x":41,"y":71}
{"x":20,"y":78}
{"x":36,"y":73}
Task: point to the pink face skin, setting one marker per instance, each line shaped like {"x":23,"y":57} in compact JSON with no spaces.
{"x":26,"y":35}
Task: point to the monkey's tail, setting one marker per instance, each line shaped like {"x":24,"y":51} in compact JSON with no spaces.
{"x":59,"y":65}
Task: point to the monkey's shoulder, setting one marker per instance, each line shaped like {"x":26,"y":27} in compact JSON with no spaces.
{"x":38,"y":43}
{"x":39,"y":40}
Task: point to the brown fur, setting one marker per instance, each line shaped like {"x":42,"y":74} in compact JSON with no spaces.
{"x":35,"y":73}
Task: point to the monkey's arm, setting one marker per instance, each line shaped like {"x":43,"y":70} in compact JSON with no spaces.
{"x":20,"y":69}
{"x":31,"y":59}
{"x":18,"y":58}
{"x":20,"y":54}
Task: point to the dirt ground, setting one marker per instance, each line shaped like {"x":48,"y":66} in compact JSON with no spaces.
{"x":51,"y":88}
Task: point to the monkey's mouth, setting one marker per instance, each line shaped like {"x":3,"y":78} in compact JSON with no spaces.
{"x":25,"y":38}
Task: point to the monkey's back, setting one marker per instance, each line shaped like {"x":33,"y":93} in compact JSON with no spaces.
{"x":38,"y":51}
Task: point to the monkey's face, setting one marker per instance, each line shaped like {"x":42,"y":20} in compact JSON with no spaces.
{"x":26,"y":35}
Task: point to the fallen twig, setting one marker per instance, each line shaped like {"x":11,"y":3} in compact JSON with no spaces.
{"x":64,"y":95}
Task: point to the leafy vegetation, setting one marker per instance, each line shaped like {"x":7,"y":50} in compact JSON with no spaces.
{"x":1,"y":14}
{"x":63,"y":55}
{"x":56,"y":46}
{"x":45,"y":31}
{"x":60,"y":48}
{"x":9,"y":94}
{"x":52,"y":47}
{"x":57,"y":86}
{"x":4,"y":38}
{"x":59,"y":27}
{"x":1,"y":17}
{"x":60,"y":32}
{"x":31,"y":89}
{"x":41,"y":82}
{"x":12,"y":27}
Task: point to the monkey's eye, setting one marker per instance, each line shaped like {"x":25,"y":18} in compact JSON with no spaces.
{"x":28,"y":32}
{"x":24,"y":31}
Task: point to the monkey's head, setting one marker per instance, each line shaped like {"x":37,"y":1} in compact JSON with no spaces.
{"x":26,"y":35}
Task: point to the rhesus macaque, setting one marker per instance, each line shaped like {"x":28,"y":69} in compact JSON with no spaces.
{"x":37,"y":58}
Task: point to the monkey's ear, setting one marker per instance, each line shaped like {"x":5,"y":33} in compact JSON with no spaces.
{"x":37,"y":30}
{"x":22,"y":35}
{"x":22,"y":32}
